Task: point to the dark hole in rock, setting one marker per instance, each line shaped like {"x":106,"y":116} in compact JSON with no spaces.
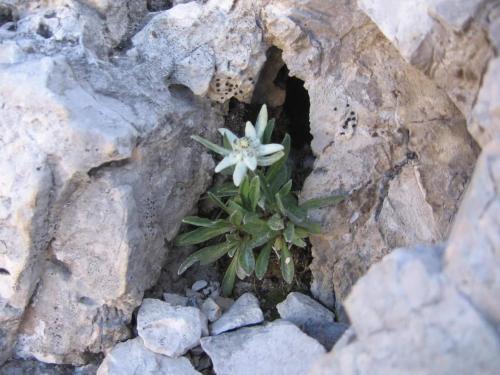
{"x":44,"y":31}
{"x":158,"y":5}
{"x":3,"y":271}
{"x":6,"y":15}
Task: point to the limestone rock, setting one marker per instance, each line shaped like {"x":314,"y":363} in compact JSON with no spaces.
{"x":485,"y":123}
{"x":299,"y":308}
{"x":404,"y":158}
{"x":170,"y":330}
{"x":89,"y":188}
{"x":276,"y":348}
{"x":245,"y":311}
{"x":446,"y":39}
{"x":199,"y":285}
{"x":407,"y":313}
{"x":215,"y":49}
{"x":312,"y":318}
{"x":473,"y":252}
{"x":132,"y":357}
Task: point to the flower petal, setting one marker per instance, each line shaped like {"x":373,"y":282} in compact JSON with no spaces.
{"x":251,"y":162}
{"x":229,"y":134}
{"x":269,"y":149}
{"x":261,"y":123}
{"x":250,"y":131}
{"x":228,"y":161}
{"x":239,"y":173}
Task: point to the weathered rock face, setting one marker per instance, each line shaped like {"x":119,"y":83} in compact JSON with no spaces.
{"x":409,"y":318}
{"x":91,"y":183}
{"x":446,"y":39}
{"x":214,"y":49}
{"x":383,"y":131}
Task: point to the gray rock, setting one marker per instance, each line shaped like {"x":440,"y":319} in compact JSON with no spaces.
{"x":175,"y":299}
{"x":485,"y":121}
{"x":170,"y":330}
{"x":276,"y":348}
{"x":98,"y":145}
{"x":300,"y":309}
{"x":211,"y":309}
{"x":132,"y":357}
{"x":406,"y":311}
{"x":244,"y":312}
{"x":473,"y":252}
{"x":382,"y":155}
{"x":199,"y":285}
{"x":312,"y":318}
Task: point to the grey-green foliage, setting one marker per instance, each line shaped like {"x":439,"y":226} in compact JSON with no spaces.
{"x":260,"y":217}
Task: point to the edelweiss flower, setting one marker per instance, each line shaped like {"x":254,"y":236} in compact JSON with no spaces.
{"x":246,"y":152}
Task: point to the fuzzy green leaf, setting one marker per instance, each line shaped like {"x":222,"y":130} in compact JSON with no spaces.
{"x":279,"y":203}
{"x":266,"y":138}
{"x":254,"y":193}
{"x":261,"y":239}
{"x":226,"y":142}
{"x":211,"y":146}
{"x":200,"y":221}
{"x":285,"y":189}
{"x":286,"y":264}
{"x":266,"y":161}
{"x":245,"y":193}
{"x":299,"y":242}
{"x":322,"y":202}
{"x":253,"y":225}
{"x":263,"y":261}
{"x":227,"y":189}
{"x":229,"y":277}
{"x":218,"y":202}
{"x":246,"y":259}
{"x":205,"y":256}
{"x":202,"y":234}
{"x":236,"y":217}
{"x":289,"y":232}
{"x":278,"y":166}
{"x":275,"y":222}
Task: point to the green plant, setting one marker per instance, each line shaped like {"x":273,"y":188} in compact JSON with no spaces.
{"x":259,"y":214}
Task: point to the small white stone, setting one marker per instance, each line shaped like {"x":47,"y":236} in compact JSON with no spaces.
{"x":275,"y":348}
{"x":170,"y":330}
{"x":245,"y":311}
{"x":199,"y":285}
{"x":211,"y":310}
{"x":132,"y":357}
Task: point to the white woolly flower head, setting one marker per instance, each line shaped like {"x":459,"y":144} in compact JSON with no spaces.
{"x":246,"y":152}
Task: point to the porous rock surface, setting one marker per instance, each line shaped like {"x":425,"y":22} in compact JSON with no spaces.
{"x":97,"y":102}
{"x":91,"y":184}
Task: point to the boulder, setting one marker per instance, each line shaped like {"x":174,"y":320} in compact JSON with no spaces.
{"x":132,"y":357}
{"x":175,"y":299}
{"x":91,"y":184}
{"x":383,"y":132}
{"x":409,"y":318}
{"x":276,"y":348}
{"x":244,"y":311}
{"x":170,"y":330}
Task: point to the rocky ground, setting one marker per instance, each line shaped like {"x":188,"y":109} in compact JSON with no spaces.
{"x":98,"y":99}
